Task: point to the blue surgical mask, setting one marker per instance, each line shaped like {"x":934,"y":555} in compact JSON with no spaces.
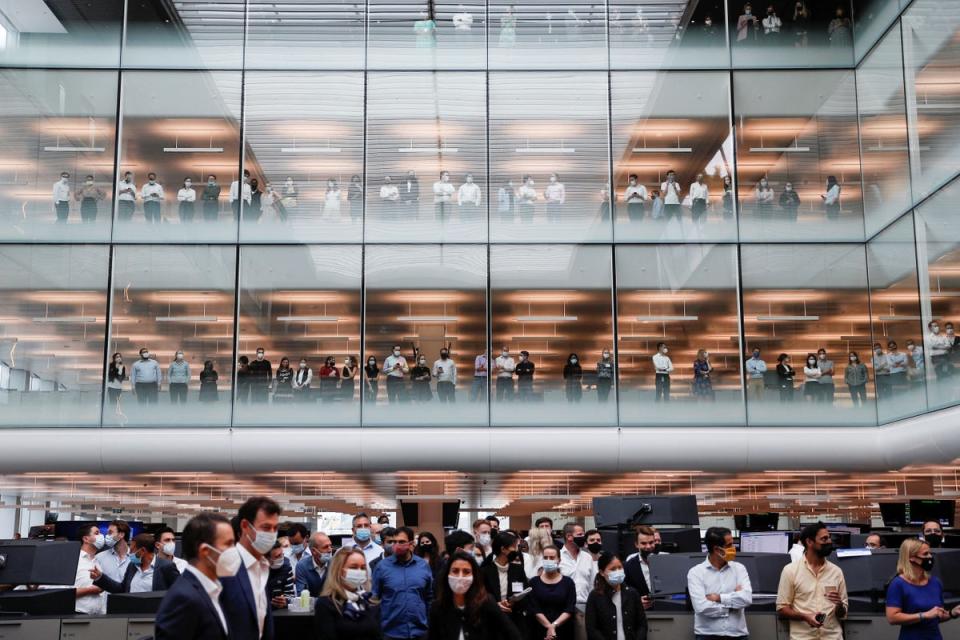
{"x":616,"y":577}
{"x":551,"y":566}
{"x":362,"y":535}
{"x":297,"y":549}
{"x":325,"y":558}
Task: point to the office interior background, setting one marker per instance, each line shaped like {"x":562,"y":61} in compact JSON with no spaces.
{"x":323,"y":102}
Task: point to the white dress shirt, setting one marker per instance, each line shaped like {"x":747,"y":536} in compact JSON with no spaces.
{"x":152,"y":192}
{"x":699,"y":191}
{"x":187,"y":195}
{"x":584,"y":576}
{"x":258,"y":572}
{"x":142,"y":581}
{"x":671,"y":192}
{"x":449,"y":373}
{"x":662,"y":363}
{"x":832,"y":195}
{"x":235,"y":192}
{"x":61,"y":191}
{"x":126,"y":191}
{"x":391,"y":362}
{"x":180,"y":564}
{"x":568,"y":563}
{"x":91,"y":604}
{"x":442,"y":192}
{"x":727,"y":617}
{"x":371,"y":552}
{"x":527,"y":193}
{"x":505,"y":366}
{"x":635,"y":193}
{"x":111,"y":564}
{"x":555,"y":192}
{"x":213,"y":589}
{"x":389,"y":192}
{"x":469,"y":194}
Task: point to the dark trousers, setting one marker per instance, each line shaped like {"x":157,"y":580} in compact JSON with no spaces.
{"x":63,"y":210}
{"x":825,"y":394}
{"x":178,"y":393}
{"x":259,"y":393}
{"x":125,"y":210}
{"x":883,"y":386}
{"x":698,"y":209}
{"x":442,"y":210}
{"x":662,"y":387}
{"x":786,"y":393}
{"x":671,"y":211}
{"x":394,"y":389}
{"x":211,"y":210}
{"x":478,"y":390}
{"x":146,"y":393}
{"x":151,"y":211}
{"x":446,"y":392}
{"x":603,"y":389}
{"x":371,"y":389}
{"x":553,"y":211}
{"x":114,"y":395}
{"x":858,"y":393}
{"x":186,"y":211}
{"x":88,"y":209}
{"x":504,"y":389}
{"x":635,"y":211}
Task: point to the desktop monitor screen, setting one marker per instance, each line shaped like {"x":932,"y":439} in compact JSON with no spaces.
{"x":941,"y":511}
{"x":765,"y":542}
{"x":894,"y":514}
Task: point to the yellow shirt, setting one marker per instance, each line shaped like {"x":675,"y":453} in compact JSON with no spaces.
{"x":804,"y":590}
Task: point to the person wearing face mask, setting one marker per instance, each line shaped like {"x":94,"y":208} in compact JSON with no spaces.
{"x":556,"y":195}
{"x":167,"y":548}
{"x":403,"y":583}
{"x":61,"y":197}
{"x":469,"y":193}
{"x":301,"y":382}
{"x":240,"y":194}
{"x":504,"y":577}
{"x":671,"y":196}
{"x":211,"y":199}
{"x":116,"y":376}
{"x":294,"y":542}
{"x":191,"y":608}
{"x":332,"y":199}
{"x":126,"y":197}
{"x":811,"y":375}
{"x":283,"y":383}
{"x":605,"y":375}
{"x":573,"y":378}
{"x":574,"y":538}
{"x":115,"y":556}
{"x":635,"y":195}
{"x":637,"y":567}
{"x":270,"y":203}
{"x":720,"y":590}
{"x":386,"y":537}
{"x":311,"y":570}
{"x":483,"y":537}
{"x":933,"y":534}
{"x":362,"y":534}
{"x":260,"y":376}
{"x":145,"y":377}
{"x":881,"y":372}
{"x":915,"y":598}
{"x":208,"y":382}
{"x":790,"y":201}
{"x":371,"y":386}
{"x":146,"y":572}
{"x":329,"y":376}
{"x":747,"y":25}
{"x":527,"y":197}
{"x":763,"y":198}
{"x":428,"y":549}
{"x":178,"y":379}
{"x":812,"y":593}
{"x":856,"y":378}
{"x":771,"y":26}
{"x":503,"y":369}
{"x":699,"y":198}
{"x":280,"y":583}
{"x":614,"y":610}
{"x":445,"y":371}
{"x":662,"y":367}
{"x":525,"y":371}
{"x":756,"y":369}
{"x":152,"y":195}
{"x":345,"y":610}
{"x":245,"y":600}
{"x":420,"y":377}
{"x":939,"y":347}
{"x":702,"y":382}
{"x":553,"y":601}
{"x":89,"y":195}
{"x":874,"y":541}
{"x":442,"y":196}
{"x":825,"y":393}
{"x":396,"y":368}
{"x":785,"y":375}
{"x":916,"y":367}
{"x":186,"y":197}
{"x":584,"y":577}
{"x":953,"y":340}
{"x":90,"y":598}
{"x":463,"y":608}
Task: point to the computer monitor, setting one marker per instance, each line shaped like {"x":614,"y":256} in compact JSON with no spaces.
{"x":941,"y":511}
{"x":765,"y":542}
{"x":45,"y":602}
{"x":134,"y":603}
{"x":757,"y":522}
{"x":894,"y":514}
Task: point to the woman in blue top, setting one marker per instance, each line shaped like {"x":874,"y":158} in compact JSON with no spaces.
{"x":915,"y":598}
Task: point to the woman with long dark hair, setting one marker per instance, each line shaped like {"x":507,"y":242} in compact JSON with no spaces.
{"x":613,"y":606}
{"x":463,"y":609}
{"x":428,"y":549}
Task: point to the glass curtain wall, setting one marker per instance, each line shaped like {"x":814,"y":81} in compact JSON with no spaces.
{"x":653,"y":34}
{"x":184,"y":35}
{"x":426,"y":34}
{"x":305,"y":34}
{"x":61,"y":33}
{"x":558,"y":34}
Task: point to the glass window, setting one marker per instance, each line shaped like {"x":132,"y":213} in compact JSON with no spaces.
{"x":192,"y":35}
{"x":938,"y":257}
{"x":768,"y":34}
{"x":651,"y":34}
{"x":180,"y":159}
{"x":931,"y":57}
{"x":305,"y":34}
{"x":419,"y":34}
{"x":60,"y":33}
{"x":883,"y":134}
{"x":805,"y":308}
{"x":53,"y":303}
{"x":422,"y":301}
{"x":797,"y":160}
{"x":426,"y":157}
{"x":551,"y":311}
{"x":549,"y":157}
{"x":898,"y":358}
{"x":678,"y":334}
{"x":172,"y":321}
{"x":873,"y":18}
{"x":303,"y":138}
{"x":57,"y":168}
{"x":561,"y":34}
{"x":675,"y":122}
{"x":301,"y":305}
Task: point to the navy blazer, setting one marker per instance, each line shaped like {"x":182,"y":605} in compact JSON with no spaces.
{"x":240,"y":608}
{"x":308,"y":578}
{"x":186,"y":613}
{"x":165,"y":574}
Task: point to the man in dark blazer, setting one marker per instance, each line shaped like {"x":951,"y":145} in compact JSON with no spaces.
{"x":143,"y":561}
{"x":506,"y":553}
{"x":191,"y":608}
{"x":635,"y":564}
{"x":312,"y":568}
{"x":245,"y":599}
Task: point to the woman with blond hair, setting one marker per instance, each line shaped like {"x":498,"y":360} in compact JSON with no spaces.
{"x":538,"y":540}
{"x":914,"y":597}
{"x":344,"y":609}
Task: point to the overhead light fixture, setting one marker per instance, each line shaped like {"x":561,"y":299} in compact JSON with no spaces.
{"x":59,"y":148}
{"x":70,"y":319}
{"x":667,"y":318}
{"x":296,"y":149}
{"x":895,"y":318}
{"x":197,"y":319}
{"x":442,"y":149}
{"x":415,"y":338}
{"x":898,"y":147}
{"x":545,"y":150}
{"x":779,"y":149}
{"x":427,"y":318}
{"x":308,"y":319}
{"x":787,"y":318}
{"x":193,"y":149}
{"x":546,"y":318}
{"x":663,"y":150}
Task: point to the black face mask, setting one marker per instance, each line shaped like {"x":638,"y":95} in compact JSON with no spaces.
{"x":645,"y":553}
{"x":595,"y":547}
{"x":926,"y":564}
{"x":934,"y":540}
{"x":825,"y":550}
{"x":657,"y":548}
{"x":579,"y":540}
{"x":513,"y":556}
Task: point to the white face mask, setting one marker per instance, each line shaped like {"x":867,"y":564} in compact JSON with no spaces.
{"x":169,"y":548}
{"x":303,"y":365}
{"x":109,"y":541}
{"x":99,"y":541}
{"x":263,"y":541}
{"x":573,"y":361}
{"x":460,"y":584}
{"x":355,"y":578}
{"x":276,"y":564}
{"x":484,"y":539}
{"x":260,"y":356}
{"x":188,"y":184}
{"x":396,"y":352}
{"x":228,"y":561}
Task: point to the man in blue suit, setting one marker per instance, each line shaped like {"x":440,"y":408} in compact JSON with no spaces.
{"x":191,"y":608}
{"x":312,"y":568}
{"x":245,"y":600}
{"x":146,"y":571}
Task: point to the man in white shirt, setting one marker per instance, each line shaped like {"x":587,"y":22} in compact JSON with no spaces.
{"x":362,"y":534}
{"x":671,"y":196}
{"x":152,"y":195}
{"x":389,"y":194}
{"x":635,"y":195}
{"x":663,"y":367}
{"x":442,"y":196}
{"x":699,"y":197}
{"x":167,"y":547}
{"x":469,"y":193}
{"x":445,"y":371}
{"x":555,"y":194}
{"x":503,"y":368}
{"x":574,"y":564}
{"x":395,"y":367}
{"x":90,"y":598}
{"x":126,"y":197}
{"x":238,"y":194}
{"x":115,"y":557}
{"x":61,"y":197}
{"x":527,"y":195}
{"x":585,"y":573}
{"x":756,"y":367}
{"x":938,"y":346}
{"x":720,"y":590}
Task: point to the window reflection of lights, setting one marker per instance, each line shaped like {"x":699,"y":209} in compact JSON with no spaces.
{"x":67,"y":319}
{"x":667,"y":318}
{"x":787,"y":318}
{"x":431,"y":319}
{"x":441,"y":150}
{"x":545,"y":150}
{"x":190,"y":319}
{"x":307,"y":319}
{"x":546,"y":319}
{"x":796,"y":148}
{"x":296,"y":149}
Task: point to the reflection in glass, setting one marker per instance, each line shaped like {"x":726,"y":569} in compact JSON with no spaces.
{"x":172,"y":314}
{"x":176,"y":140}
{"x":805,"y":310}
{"x":423,"y":301}
{"x":57,"y":33}
{"x":53,"y":303}
{"x":797,"y":160}
{"x":549,"y":157}
{"x":301,"y":304}
{"x":58,"y":142}
{"x":551,"y":311}
{"x":799,"y":33}
{"x":426,"y":157}
{"x":303,"y":138}
{"x":898,"y":353}
{"x":677,"y":122}
{"x":873,"y":18}
{"x":678,"y":335}
{"x":305,"y":34}
{"x":191,"y":35}
{"x":565,"y":34}
{"x":652,"y":34}
{"x":423,"y":34}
